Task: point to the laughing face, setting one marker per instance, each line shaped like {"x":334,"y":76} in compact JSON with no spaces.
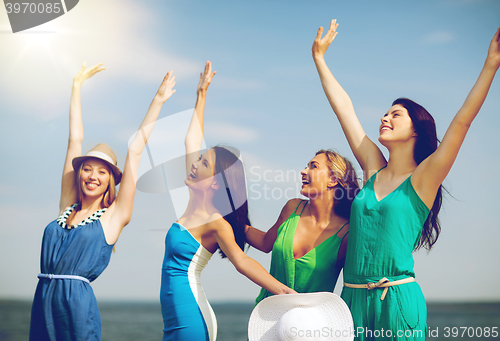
{"x":94,"y":177}
{"x":396,"y":125}
{"x":316,"y":177}
{"x":202,"y":171}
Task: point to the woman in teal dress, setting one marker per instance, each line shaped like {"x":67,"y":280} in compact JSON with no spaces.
{"x":396,"y":211}
{"x":309,"y":239}
{"x":76,"y":247}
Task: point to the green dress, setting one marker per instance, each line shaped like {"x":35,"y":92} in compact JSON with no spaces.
{"x":316,"y":271}
{"x":382,"y":237}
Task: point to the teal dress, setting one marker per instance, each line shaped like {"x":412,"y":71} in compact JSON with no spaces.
{"x":382,"y":237}
{"x":316,"y":271}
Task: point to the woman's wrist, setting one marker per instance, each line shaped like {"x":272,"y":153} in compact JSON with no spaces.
{"x":283,"y":289}
{"x":157,"y":100}
{"x":201,"y":93}
{"x":318,"y":57}
{"x":491,"y":64}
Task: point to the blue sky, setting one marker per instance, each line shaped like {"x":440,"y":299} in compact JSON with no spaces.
{"x":266,"y":100}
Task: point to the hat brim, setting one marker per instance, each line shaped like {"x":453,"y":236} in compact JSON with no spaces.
{"x":263,"y":322}
{"x":77,"y":162}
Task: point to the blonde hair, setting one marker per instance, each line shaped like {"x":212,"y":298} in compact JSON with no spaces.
{"x":343,"y":171}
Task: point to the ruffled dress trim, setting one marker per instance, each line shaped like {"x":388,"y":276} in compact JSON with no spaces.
{"x":61,"y":221}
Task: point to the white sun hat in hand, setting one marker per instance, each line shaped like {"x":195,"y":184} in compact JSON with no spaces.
{"x":319,"y":316}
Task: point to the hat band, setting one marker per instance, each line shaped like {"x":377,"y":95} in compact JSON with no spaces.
{"x":100,"y":155}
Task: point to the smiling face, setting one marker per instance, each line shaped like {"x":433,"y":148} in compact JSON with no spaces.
{"x":396,"y":125}
{"x":202,"y":171}
{"x":316,"y":177}
{"x":94,"y":177}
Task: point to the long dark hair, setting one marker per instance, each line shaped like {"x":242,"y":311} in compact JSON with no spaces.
{"x":427,"y":143}
{"x":231,"y":198}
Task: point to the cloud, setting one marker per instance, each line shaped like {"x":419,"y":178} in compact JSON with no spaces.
{"x":37,"y":65}
{"x":238,"y":84}
{"x":438,"y":38}
{"x":231,"y":133}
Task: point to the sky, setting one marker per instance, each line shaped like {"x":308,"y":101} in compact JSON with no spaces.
{"x":266,"y":100}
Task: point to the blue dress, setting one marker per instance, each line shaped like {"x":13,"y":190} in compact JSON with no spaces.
{"x":187,"y":315}
{"x":66,"y":309}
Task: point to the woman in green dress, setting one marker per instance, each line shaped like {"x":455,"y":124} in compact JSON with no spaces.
{"x":309,"y":239}
{"x":396,"y":211}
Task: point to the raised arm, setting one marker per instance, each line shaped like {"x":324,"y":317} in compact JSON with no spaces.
{"x":440,"y":162}
{"x":264,"y":241}
{"x":366,"y":152}
{"x":68,"y":185}
{"x":245,"y":265}
{"x":194,"y":136}
{"x":120,"y":212}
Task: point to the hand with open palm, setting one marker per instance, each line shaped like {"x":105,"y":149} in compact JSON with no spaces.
{"x":205,"y":78}
{"x":84,"y":74}
{"x":320,"y":45}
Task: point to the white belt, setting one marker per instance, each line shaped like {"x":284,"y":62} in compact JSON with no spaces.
{"x":383,"y":283}
{"x":50,"y":276}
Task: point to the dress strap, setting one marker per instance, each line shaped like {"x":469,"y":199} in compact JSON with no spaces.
{"x":300,"y":214}
{"x":340,"y":229}
{"x":375,"y":175}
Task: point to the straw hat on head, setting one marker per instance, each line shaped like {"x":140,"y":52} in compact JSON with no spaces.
{"x":104,"y":153}
{"x":318,"y":316}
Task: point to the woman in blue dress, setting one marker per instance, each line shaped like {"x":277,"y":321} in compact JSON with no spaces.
{"x":215,"y":219}
{"x":396,"y":211}
{"x":76,"y":247}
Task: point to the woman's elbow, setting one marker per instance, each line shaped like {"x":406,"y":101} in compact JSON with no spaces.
{"x":266,"y":245}
{"x":239,"y":268}
{"x":261,"y":247}
{"x":267,"y":249}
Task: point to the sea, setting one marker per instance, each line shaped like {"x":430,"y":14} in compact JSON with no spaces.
{"x":142,"y":321}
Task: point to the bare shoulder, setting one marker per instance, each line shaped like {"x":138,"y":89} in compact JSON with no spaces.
{"x":64,"y":208}
{"x":291,"y":206}
{"x":218,"y":224}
